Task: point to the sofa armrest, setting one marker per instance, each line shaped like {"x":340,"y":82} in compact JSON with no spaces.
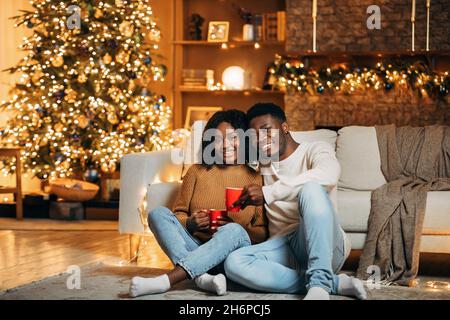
{"x":137,"y":172}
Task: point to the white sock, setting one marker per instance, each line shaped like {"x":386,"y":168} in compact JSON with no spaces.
{"x":217,"y":283}
{"x":350,"y":286}
{"x":142,"y":286}
{"x":317,"y":293}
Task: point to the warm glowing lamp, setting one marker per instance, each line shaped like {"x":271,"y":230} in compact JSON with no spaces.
{"x":233,"y":78}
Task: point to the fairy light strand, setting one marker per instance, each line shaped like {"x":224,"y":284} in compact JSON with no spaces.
{"x":291,"y":75}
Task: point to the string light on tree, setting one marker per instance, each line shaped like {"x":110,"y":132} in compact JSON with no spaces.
{"x":79,"y":105}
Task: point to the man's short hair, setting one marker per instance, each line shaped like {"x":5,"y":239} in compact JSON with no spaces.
{"x":266,"y":108}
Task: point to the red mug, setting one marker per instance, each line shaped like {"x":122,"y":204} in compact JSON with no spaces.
{"x":214,"y":214}
{"x":231,"y":196}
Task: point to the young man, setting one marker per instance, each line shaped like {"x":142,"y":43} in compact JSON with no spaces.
{"x":306,"y":246}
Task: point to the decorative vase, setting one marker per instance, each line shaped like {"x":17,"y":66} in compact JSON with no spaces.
{"x":247,"y":32}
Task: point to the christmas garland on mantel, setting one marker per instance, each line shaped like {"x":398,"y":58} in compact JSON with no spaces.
{"x":291,"y":75}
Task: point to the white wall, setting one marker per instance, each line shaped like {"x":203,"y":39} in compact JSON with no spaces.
{"x":10,"y":39}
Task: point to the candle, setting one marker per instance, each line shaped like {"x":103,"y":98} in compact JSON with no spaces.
{"x":413,"y":19}
{"x":314,"y":36}
{"x":428,"y":25}
{"x":314,"y":16}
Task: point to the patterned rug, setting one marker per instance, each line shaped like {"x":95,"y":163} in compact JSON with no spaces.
{"x":99,"y":281}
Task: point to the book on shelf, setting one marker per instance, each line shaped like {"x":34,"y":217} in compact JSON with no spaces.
{"x":281,"y":23}
{"x":195,"y":78}
{"x":198,"y":73}
{"x":258,"y":27}
{"x":187,"y":87}
{"x":274,"y":26}
{"x":271,"y":26}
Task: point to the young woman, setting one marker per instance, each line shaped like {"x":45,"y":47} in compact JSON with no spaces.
{"x":184,"y":233}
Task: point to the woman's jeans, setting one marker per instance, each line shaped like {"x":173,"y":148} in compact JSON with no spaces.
{"x":308,"y":257}
{"x":187,"y":251}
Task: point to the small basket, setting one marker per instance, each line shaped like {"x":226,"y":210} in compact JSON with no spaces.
{"x":73,"y":190}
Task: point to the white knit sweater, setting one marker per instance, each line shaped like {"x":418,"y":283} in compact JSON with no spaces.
{"x":283,"y":180}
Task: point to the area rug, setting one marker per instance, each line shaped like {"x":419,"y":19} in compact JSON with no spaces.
{"x":100,"y":281}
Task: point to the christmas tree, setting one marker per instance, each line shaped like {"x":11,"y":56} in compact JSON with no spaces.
{"x":82,"y":101}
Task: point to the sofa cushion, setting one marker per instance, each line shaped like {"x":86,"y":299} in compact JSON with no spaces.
{"x":162,"y":194}
{"x":428,"y":243}
{"x":358,"y":154}
{"x":316,"y":135}
{"x":354,"y":209}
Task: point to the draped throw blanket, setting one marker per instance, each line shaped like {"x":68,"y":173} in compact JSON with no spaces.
{"x":413,"y":161}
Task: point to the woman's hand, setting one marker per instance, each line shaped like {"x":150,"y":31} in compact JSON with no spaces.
{"x":199,"y":220}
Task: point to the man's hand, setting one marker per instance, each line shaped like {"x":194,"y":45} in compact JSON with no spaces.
{"x":199,"y":220}
{"x":223,"y":220}
{"x":251,"y":195}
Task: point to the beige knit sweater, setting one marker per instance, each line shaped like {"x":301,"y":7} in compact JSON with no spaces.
{"x":204,"y":188}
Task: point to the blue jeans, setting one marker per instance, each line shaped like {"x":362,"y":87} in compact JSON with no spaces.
{"x":308,"y":257}
{"x":188,"y":252}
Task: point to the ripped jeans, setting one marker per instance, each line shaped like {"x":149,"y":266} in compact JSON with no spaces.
{"x":188,"y":252}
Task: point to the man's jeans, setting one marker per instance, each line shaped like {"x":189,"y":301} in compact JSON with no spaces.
{"x":308,"y":257}
{"x":187,"y":251}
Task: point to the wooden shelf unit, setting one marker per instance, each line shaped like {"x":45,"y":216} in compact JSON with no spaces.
{"x":224,"y":92}
{"x":201,"y":54}
{"x":17,"y":190}
{"x":230,"y":44}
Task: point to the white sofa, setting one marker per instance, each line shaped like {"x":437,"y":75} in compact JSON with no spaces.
{"x":158,"y":175}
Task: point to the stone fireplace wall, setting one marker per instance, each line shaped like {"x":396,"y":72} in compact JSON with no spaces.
{"x":341,"y":27}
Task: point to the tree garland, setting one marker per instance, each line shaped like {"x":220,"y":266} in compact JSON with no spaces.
{"x":291,"y":75}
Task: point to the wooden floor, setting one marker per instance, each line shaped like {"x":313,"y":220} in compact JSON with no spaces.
{"x":49,"y":224}
{"x":35,"y":253}
{"x":30,"y":255}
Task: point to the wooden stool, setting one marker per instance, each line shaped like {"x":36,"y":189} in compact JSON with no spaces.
{"x":17,"y":190}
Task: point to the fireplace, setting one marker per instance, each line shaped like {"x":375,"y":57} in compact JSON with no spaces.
{"x":343,"y":38}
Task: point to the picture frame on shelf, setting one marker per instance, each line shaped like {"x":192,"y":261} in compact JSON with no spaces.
{"x":196,"y":113}
{"x":218,"y":31}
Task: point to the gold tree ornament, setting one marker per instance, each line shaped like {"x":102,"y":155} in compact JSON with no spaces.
{"x":120,"y":3}
{"x":131,"y":85}
{"x":126,"y":28}
{"x":107,"y":59}
{"x":43,"y":141}
{"x":58,"y":127}
{"x":82,"y":78}
{"x":70,"y":95}
{"x":36,"y":77}
{"x":112,"y":118}
{"x":83,"y":122}
{"x":98,"y":13}
{"x":104,"y":167}
{"x":58,"y":61}
{"x":122,"y":57}
{"x":133,"y":106}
